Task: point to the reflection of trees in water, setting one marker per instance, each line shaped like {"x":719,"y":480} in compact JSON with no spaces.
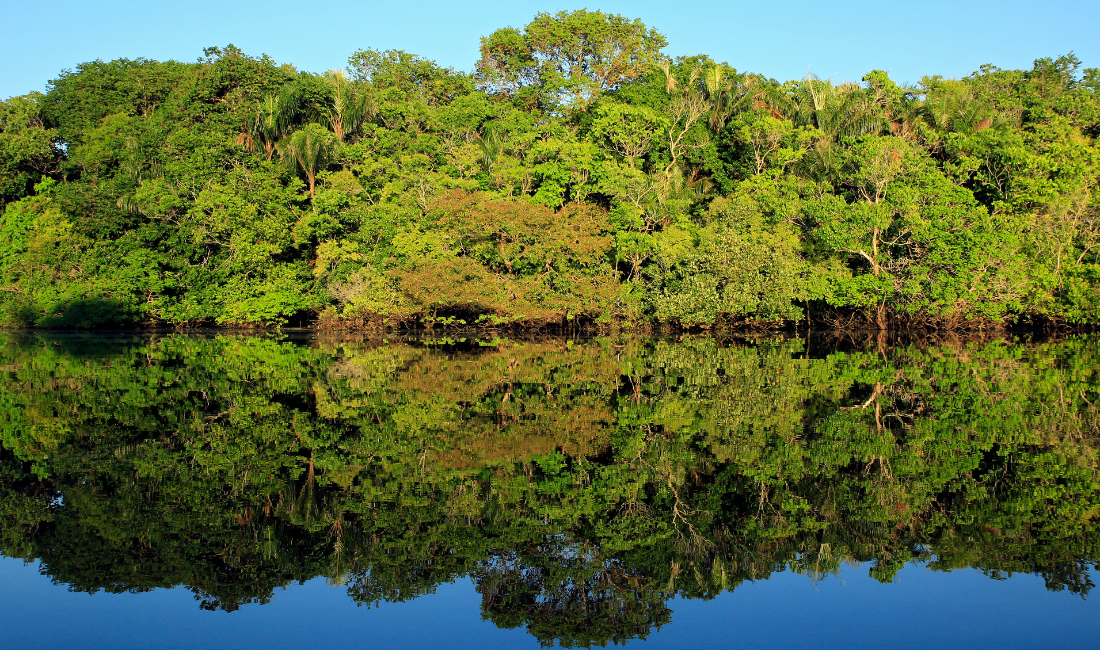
{"x":569,"y":595}
{"x":580,"y":486}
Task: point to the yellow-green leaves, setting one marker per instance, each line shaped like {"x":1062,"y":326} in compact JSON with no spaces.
{"x":629,"y":131}
{"x":569,"y":59}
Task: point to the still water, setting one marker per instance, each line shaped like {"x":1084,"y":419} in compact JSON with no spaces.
{"x":216,"y":490}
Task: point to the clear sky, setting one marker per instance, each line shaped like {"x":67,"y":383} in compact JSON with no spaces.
{"x":779,"y":38}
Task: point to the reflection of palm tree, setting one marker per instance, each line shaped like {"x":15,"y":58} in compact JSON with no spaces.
{"x":309,"y":151}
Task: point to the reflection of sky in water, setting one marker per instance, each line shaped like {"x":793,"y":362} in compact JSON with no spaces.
{"x":921,"y":609}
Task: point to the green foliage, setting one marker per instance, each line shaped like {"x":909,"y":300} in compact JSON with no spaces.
{"x":735,"y":268}
{"x":28,"y":148}
{"x":569,"y":59}
{"x":575,"y":177}
{"x":310,"y":151}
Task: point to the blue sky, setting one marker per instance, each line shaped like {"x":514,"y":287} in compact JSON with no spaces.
{"x":780,"y":38}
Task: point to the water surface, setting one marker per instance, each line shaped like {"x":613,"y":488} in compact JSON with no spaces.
{"x":222,"y":490}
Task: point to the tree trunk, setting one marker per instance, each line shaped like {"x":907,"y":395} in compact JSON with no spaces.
{"x":875,"y":268}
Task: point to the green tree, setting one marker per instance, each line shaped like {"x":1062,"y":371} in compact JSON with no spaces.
{"x":309,"y":151}
{"x":273,"y":120}
{"x":569,"y":59}
{"x":28,"y":149}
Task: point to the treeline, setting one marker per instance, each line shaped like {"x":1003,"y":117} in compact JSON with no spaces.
{"x":580,"y":486}
{"x":576,"y":176}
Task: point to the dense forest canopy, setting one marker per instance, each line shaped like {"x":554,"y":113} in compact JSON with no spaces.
{"x":581,"y":485}
{"x":575,"y":176}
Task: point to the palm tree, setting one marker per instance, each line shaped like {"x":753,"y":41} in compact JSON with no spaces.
{"x":955,"y":106}
{"x":274,"y":117}
{"x":728,"y":94}
{"x":839,"y":111}
{"x":900,"y":106}
{"x":907,"y":116}
{"x":272,"y":122}
{"x":308,"y":151}
{"x":350,"y":107}
{"x":491,"y":142}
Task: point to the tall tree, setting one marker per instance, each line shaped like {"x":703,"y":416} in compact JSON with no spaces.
{"x":271,"y":122}
{"x":27,"y":147}
{"x":838,"y":111}
{"x":349,"y":105}
{"x":308,"y":151}
{"x":568,"y":59}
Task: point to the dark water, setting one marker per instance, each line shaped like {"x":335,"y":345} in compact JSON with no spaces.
{"x":240,"y":491}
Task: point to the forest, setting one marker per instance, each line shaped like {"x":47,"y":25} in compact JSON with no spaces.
{"x":575,"y":177}
{"x":236,"y":464}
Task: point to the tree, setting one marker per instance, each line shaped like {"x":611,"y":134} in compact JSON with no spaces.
{"x":567,"y":60}
{"x":309,"y":151}
{"x":627,"y":130}
{"x":418,"y":78}
{"x":689,"y":103}
{"x":728,"y":93}
{"x":270,"y":124}
{"x":956,"y":106}
{"x":864,"y":226}
{"x":27,"y":146}
{"x":349,"y":106}
{"x":838,"y":111}
{"x":959,"y":203}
